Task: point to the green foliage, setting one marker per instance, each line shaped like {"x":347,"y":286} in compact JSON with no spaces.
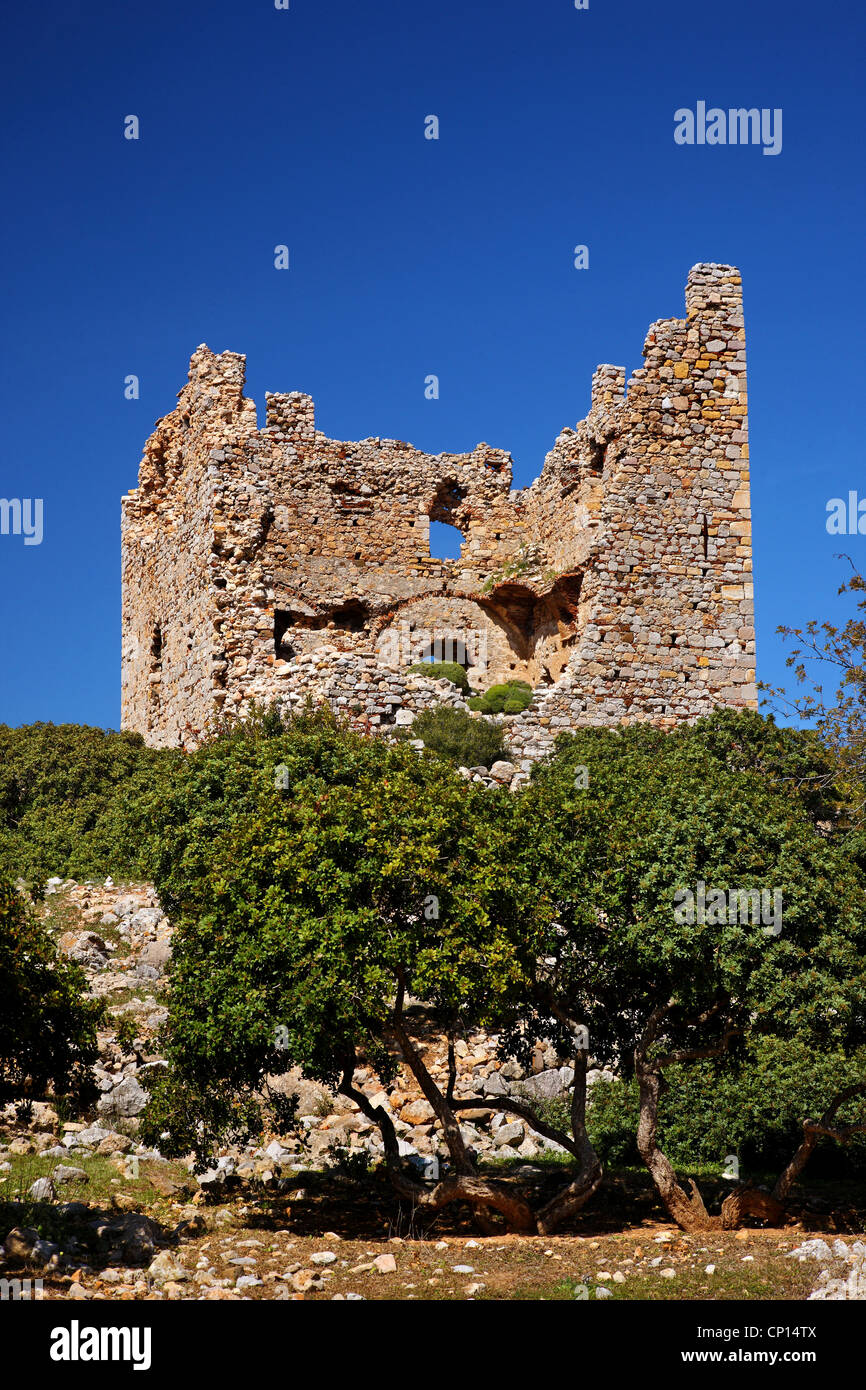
{"x":511,"y":698}
{"x":125,"y":1034}
{"x":716,"y":803}
{"x":752,"y":1106}
{"x":663,"y":811}
{"x":301,"y":913}
{"x":70,"y":798}
{"x":353,"y":1164}
{"x":455,"y":736}
{"x":840,"y":718}
{"x":439,"y":670}
{"x":522,"y":565}
{"x":47,"y":1028}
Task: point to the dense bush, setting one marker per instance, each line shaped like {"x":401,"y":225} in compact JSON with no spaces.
{"x":316,"y":878}
{"x":439,"y":670}
{"x":752,"y":1106}
{"x":47,"y":1027}
{"x":456,"y":736}
{"x":511,"y":698}
{"x":825,"y":650}
{"x":70,"y":798}
{"x":622,"y":828}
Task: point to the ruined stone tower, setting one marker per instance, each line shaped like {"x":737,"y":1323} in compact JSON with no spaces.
{"x":277,"y":563}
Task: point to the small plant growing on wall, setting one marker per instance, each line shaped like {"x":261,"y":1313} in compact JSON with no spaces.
{"x":511,"y":698}
{"x":437,"y":670}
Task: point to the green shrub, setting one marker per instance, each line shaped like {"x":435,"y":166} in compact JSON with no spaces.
{"x":353,"y":1164}
{"x":457,"y":737}
{"x":611,"y":1117}
{"x":437,"y":670}
{"x":511,"y":698}
{"x":753,"y":1106}
{"x":47,"y":1026}
{"x":69,"y":801}
{"x":125,"y":1034}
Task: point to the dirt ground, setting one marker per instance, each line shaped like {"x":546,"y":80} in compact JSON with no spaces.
{"x":337,"y":1238}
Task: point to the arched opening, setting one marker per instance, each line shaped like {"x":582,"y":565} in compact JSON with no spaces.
{"x":446,"y":647}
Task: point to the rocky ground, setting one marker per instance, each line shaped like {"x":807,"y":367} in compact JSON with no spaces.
{"x":93,"y":1213}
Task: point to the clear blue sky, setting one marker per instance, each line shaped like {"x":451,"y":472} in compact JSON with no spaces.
{"x":408,"y":256}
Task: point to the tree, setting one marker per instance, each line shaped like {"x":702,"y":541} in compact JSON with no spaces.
{"x":657,"y":848}
{"x":841,"y":719}
{"x":749,"y":1103}
{"x":316,"y":879}
{"x":47,"y":1026}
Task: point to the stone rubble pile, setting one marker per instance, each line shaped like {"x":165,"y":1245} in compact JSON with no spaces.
{"x":844,"y":1273}
{"x":359,"y":688}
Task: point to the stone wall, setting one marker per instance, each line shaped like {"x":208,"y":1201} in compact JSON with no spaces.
{"x":276,"y":563}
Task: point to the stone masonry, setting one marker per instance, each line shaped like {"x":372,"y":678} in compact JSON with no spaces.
{"x":277,"y":564}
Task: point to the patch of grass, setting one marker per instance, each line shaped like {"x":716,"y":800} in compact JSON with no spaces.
{"x":144,"y":992}
{"x":511,"y":1165}
{"x":104,"y":1180}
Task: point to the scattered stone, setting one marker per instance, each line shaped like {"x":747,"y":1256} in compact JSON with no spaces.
{"x":63,"y":1174}
{"x":812,"y":1250}
{"x":19,"y":1243}
{"x":165,"y":1267}
{"x":132,"y":1235}
{"x":42,"y":1190}
{"x":508,"y":1134}
{"x":126,"y":1099}
{"x":417,"y":1112}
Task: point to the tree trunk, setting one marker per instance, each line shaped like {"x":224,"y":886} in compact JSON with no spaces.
{"x":483,"y":1195}
{"x":812,"y":1131}
{"x":578,"y":1192}
{"x":750,"y":1201}
{"x":434,"y":1097}
{"x":463,"y":1187}
{"x":791,"y":1173}
{"x":687,"y":1211}
{"x":403,"y":1184}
